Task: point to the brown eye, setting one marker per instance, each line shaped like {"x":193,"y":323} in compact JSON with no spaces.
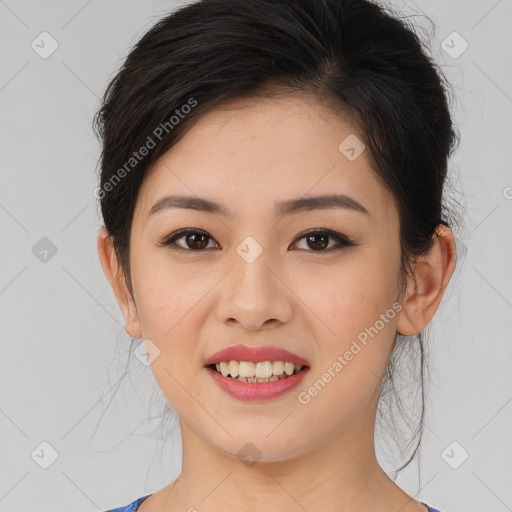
{"x":192,"y":239}
{"x":318,"y":240}
{"x":196,"y":241}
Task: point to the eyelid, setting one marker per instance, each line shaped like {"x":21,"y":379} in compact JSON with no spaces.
{"x":341,"y":239}
{"x":169,"y":241}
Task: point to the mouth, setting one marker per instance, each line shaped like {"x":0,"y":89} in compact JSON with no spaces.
{"x":261,"y":372}
{"x":256,"y":381}
{"x":256,"y":372}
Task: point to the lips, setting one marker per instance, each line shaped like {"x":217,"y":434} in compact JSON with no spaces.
{"x":254,"y":391}
{"x":255,"y":354}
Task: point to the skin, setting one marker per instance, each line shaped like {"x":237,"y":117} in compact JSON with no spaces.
{"x":247,"y":155}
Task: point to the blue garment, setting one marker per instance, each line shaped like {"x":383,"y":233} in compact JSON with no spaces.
{"x":132,"y":507}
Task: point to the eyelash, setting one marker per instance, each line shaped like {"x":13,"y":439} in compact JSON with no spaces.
{"x":342,"y":240}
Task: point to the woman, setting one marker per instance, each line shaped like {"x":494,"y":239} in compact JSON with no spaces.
{"x":272,"y":191}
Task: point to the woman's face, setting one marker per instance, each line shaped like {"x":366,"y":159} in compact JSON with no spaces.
{"x":318,"y":299}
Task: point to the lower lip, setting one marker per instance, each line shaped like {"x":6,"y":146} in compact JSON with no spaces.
{"x":256,"y":390}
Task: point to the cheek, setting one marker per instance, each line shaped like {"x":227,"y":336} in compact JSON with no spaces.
{"x":168,"y":295}
{"x":349,"y":299}
{"x":353,"y":358}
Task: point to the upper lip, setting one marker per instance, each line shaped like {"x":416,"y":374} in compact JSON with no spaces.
{"x":255,"y":354}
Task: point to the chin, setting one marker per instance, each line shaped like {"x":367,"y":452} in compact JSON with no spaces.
{"x":256,"y":448}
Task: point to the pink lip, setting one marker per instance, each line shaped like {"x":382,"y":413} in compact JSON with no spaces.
{"x":256,"y":390}
{"x":255,"y":354}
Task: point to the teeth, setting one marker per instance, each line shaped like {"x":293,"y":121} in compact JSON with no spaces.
{"x":245,"y":369}
{"x":267,"y":370}
{"x":224,"y":368}
{"x":277,"y":368}
{"x":288,"y":368}
{"x":263,"y":370}
{"x":233,"y":368}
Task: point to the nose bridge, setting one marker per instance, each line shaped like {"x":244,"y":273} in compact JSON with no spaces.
{"x":251,"y":267}
{"x":254,"y":294}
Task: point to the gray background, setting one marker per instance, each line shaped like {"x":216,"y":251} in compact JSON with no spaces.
{"x":64,"y":347}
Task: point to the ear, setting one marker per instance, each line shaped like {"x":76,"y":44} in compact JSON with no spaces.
{"x":117,"y":280}
{"x":425,"y":288}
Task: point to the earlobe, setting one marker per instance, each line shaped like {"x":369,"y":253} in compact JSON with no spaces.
{"x":116,"y":279}
{"x":425,"y":288}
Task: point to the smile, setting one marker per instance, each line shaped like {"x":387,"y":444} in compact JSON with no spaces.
{"x":263,"y":371}
{"x":253,"y":388}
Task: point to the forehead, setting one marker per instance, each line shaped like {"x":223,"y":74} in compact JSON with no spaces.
{"x":255,"y":152}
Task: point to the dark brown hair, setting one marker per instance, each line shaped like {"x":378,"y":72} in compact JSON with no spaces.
{"x":352,"y":55}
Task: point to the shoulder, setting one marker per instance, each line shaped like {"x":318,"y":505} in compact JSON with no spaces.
{"x":429,"y":508}
{"x":432,"y":509}
{"x":132,"y":507}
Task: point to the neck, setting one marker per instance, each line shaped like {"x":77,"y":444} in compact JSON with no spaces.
{"x":341,"y":474}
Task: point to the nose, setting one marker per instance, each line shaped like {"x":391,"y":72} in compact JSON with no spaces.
{"x":254,"y":295}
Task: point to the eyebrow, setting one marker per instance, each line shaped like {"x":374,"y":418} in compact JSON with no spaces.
{"x":303,"y":204}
